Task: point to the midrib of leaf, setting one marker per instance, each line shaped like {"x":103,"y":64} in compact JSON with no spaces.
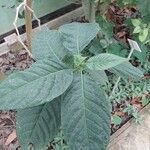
{"x":37,"y":120}
{"x":33,"y":81}
{"x":78,"y":39}
{"x":52,"y":51}
{"x":83,"y":97}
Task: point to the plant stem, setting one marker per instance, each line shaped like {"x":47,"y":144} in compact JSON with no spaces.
{"x":86,"y":5}
{"x":115,"y":87}
{"x":89,"y":10}
{"x":130,"y":54}
{"x":92,"y":12}
{"x":28,"y":23}
{"x":98,"y":7}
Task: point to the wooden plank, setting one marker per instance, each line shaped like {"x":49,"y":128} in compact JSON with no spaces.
{"x":12,"y":42}
{"x":69,"y":17}
{"x":3,"y":48}
{"x":129,"y":136}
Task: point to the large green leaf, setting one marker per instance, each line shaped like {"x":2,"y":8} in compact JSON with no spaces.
{"x":38,"y":125}
{"x":48,"y":43}
{"x":43,"y":82}
{"x":104,"y":61}
{"x":100,"y":77}
{"x":85,"y":115}
{"x":78,"y":35}
{"x":126,"y":70}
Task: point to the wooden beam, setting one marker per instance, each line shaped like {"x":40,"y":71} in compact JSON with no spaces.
{"x":128,"y":132}
{"x":28,"y":23}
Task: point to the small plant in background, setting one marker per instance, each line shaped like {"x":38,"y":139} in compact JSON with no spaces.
{"x":145,"y":101}
{"x":127,"y":2}
{"x":141,"y":29}
{"x":132,"y":110}
{"x":58,"y":143}
{"x":144,"y":8}
{"x":131,"y":96}
{"x":116,"y":120}
{"x":130,"y":89}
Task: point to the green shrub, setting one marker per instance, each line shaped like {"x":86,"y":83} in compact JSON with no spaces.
{"x":61,"y":89}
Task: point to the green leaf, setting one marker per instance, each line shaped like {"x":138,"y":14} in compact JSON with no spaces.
{"x":117,"y":49}
{"x":38,"y":125}
{"x":43,"y":82}
{"x":48,"y":44}
{"x":78,"y":59}
{"x":126,"y":70}
{"x":136,"y":22}
{"x":96,"y":47}
{"x":69,"y":60}
{"x":143,"y":55}
{"x":100,"y":77}
{"x":137,"y":29}
{"x":78,"y":35}
{"x":145,"y":101}
{"x":106,"y":26}
{"x":85,"y":115}
{"x":104,"y":43}
{"x":21,"y":15}
{"x":126,"y":3}
{"x":76,"y":62}
{"x":143,"y":35}
{"x":104,"y":61}
{"x":116,"y":120}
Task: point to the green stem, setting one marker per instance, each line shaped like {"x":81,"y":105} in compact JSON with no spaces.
{"x":92,"y":12}
{"x":89,"y":10}
{"x":98,"y":7}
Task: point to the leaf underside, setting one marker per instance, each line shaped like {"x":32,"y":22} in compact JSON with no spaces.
{"x":42,"y":82}
{"x":85,"y":115}
{"x":38,"y":125}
